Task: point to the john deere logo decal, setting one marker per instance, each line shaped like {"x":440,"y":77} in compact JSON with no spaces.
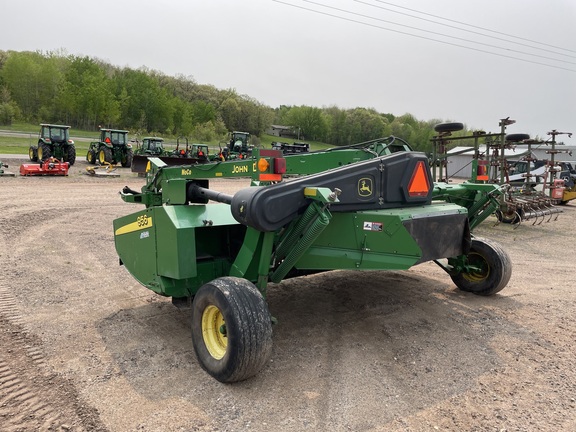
{"x":365,"y":187}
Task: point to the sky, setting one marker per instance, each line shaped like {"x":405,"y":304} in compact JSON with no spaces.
{"x":474,"y":61}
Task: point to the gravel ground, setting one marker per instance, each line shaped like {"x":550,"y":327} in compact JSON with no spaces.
{"x":86,"y":348}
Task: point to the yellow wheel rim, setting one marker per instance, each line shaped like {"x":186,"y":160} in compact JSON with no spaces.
{"x":214,"y":332}
{"x":478,"y":275}
{"x":102,"y":156}
{"x":40,"y":153}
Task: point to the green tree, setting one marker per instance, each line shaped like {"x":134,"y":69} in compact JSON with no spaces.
{"x":231,"y":112}
{"x":143,"y":103}
{"x":33,"y":80}
{"x":202,"y":112}
{"x":87,"y":96}
{"x":8,"y":108}
{"x":310,"y":120}
{"x":364,"y":124}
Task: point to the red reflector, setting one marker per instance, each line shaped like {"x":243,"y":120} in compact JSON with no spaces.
{"x":279,"y":165}
{"x":419,"y":185}
{"x":482,"y":170}
{"x":270,"y":153}
{"x":270,"y":177}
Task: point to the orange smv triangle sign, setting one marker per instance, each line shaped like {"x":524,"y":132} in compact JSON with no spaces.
{"x":419,"y":185}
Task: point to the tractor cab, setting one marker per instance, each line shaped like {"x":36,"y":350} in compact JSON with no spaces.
{"x":239,"y":142}
{"x":114,"y":137}
{"x":54,"y":133}
{"x":237,"y":147}
{"x":199,"y":151}
{"x":152,"y":146}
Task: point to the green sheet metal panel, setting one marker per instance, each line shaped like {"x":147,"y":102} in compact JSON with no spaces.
{"x":160,"y":247}
{"x":135,"y":241}
{"x":176,"y":234}
{"x":175,"y":242}
{"x":374,"y":239}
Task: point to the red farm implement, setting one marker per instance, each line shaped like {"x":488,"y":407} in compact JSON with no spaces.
{"x":50,"y":166}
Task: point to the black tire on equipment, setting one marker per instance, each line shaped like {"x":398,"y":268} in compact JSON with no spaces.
{"x":71,"y":155}
{"x":43,"y":152}
{"x":495,"y":264}
{"x":33,"y":154}
{"x":91,"y":156}
{"x":236,"y":305}
{"x":105,"y":155}
{"x":127,"y":160}
{"x":517,"y":137}
{"x":448,"y":127}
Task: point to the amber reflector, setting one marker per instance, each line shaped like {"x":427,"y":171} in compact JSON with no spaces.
{"x":263,"y":165}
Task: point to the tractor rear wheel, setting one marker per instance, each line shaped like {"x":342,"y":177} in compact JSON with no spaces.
{"x":105,"y":155}
{"x":127,"y":159}
{"x":43,"y":152}
{"x":71,"y":155}
{"x":231,"y":329}
{"x":493,"y":269}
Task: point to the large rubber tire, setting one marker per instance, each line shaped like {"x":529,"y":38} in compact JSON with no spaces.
{"x":517,"y":137}
{"x":127,"y":160}
{"x":71,"y":155}
{"x":33,"y":154}
{"x":231,"y":329}
{"x":43,"y":152}
{"x":91,"y":157}
{"x":448,"y":127}
{"x":105,"y":155}
{"x":495,"y":269}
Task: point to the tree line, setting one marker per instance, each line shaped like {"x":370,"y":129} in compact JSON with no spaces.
{"x":88,"y":93}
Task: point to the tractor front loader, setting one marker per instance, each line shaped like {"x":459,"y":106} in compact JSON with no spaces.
{"x":153,"y":147}
{"x":382,"y":213}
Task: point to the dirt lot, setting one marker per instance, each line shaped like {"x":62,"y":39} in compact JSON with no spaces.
{"x":86,"y":348}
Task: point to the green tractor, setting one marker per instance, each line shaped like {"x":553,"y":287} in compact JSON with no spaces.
{"x":112,"y":147}
{"x":193,"y":153}
{"x":154,"y":147}
{"x":53,"y":141}
{"x":238,"y":147}
{"x":151,"y":146}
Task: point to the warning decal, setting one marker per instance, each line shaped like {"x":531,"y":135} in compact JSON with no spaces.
{"x":372,"y":226}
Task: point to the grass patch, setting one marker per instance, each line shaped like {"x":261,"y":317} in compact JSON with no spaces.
{"x":16,"y":145}
{"x":20,"y":145}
